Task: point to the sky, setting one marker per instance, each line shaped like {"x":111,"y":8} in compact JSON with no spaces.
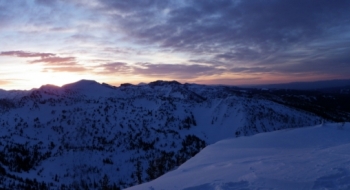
{"x":233,"y":42}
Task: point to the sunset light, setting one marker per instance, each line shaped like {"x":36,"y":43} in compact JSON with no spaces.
{"x":209,"y":42}
{"x":174,"y":94}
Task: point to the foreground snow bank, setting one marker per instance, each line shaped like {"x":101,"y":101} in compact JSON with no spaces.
{"x":305,"y":158}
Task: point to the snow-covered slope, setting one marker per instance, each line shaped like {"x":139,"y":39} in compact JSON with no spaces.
{"x":306,"y":158}
{"x":91,"y":134}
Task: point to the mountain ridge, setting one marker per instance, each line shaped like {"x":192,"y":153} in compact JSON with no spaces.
{"x":97,"y":134}
{"x":313,"y":85}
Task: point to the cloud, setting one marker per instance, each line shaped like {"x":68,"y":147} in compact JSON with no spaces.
{"x":240,"y":33}
{"x":250,"y":70}
{"x":46,"y":2}
{"x":55,"y":60}
{"x":25,"y":54}
{"x":51,"y":61}
{"x":113,"y":68}
{"x":7,"y":10}
{"x":83,"y":37}
{"x":124,"y":51}
{"x":229,"y":81}
{"x":61,"y":64}
{"x":5,"y":82}
{"x":180,"y":39}
{"x":199,"y":25}
{"x":76,"y":68}
{"x":176,"y":71}
{"x":159,"y":70}
{"x":47,"y":58}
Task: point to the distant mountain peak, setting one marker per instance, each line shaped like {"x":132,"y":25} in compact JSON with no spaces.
{"x":126,"y":84}
{"x":162,"y":83}
{"x":81,"y":84}
{"x":48,"y":87}
{"x":90,"y":88}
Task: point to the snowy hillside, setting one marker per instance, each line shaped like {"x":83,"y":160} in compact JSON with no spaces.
{"x":307,"y":158}
{"x":91,"y":135}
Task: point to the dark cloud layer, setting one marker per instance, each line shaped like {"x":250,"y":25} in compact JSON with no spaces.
{"x":180,"y":71}
{"x":254,"y":22}
{"x":256,"y":32}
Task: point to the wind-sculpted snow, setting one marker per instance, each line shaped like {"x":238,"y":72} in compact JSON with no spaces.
{"x":309,"y":158}
{"x":91,"y":135}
